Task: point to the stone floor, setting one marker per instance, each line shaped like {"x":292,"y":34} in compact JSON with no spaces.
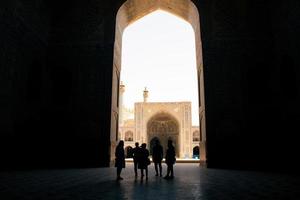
{"x":191,"y":182}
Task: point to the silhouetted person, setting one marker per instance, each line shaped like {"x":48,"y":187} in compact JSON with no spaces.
{"x":143,"y":160}
{"x":157,"y":156}
{"x":135,"y":155}
{"x":170,"y":160}
{"x":120,"y":159}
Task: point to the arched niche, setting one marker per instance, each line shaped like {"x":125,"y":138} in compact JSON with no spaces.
{"x":128,"y":136}
{"x":128,"y":152}
{"x":196,"y":136}
{"x":196,"y":152}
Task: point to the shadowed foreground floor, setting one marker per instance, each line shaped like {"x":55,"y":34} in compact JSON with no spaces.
{"x":191,"y":182}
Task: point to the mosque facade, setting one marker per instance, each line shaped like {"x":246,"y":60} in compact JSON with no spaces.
{"x":151,"y":121}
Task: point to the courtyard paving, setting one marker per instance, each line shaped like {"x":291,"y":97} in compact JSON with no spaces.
{"x":191,"y":182}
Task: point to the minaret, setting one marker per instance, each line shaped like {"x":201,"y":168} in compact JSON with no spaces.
{"x":121,"y":103}
{"x":145,"y":94}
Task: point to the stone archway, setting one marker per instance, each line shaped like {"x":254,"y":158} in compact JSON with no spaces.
{"x":128,"y":152}
{"x":163,"y":127}
{"x":196,"y":152}
{"x":131,"y":11}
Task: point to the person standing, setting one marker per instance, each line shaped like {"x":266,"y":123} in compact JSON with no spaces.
{"x":157,"y":156}
{"x":143,"y":160}
{"x":135,"y":154}
{"x":120,"y":159}
{"x":170,"y":160}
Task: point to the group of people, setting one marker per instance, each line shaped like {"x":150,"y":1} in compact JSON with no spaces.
{"x":141,"y":159}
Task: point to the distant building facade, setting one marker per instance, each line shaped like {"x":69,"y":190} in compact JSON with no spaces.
{"x":161,"y":121}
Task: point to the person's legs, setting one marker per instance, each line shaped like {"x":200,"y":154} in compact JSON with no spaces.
{"x":146,"y":172}
{"x":142,"y":173}
{"x":168,"y":171}
{"x":172,"y":171}
{"x":119,"y":169}
{"x":135,"y":168}
{"x":160,"y":169}
{"x":156,"y":170}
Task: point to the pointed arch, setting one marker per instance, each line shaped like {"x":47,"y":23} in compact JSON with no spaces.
{"x":131,"y":11}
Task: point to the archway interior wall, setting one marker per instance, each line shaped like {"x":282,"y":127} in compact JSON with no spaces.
{"x":133,"y":10}
{"x":164,"y":133}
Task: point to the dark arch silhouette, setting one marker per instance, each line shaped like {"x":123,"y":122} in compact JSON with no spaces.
{"x":196,"y":152}
{"x":128,"y":151}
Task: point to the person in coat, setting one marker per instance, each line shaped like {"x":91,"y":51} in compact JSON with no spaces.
{"x":144,"y":160}
{"x":120,"y":159}
{"x":170,"y":160}
{"x":135,"y":154}
{"x":157,"y":156}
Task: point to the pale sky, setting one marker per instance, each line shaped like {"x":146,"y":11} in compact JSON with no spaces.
{"x":158,"y":52}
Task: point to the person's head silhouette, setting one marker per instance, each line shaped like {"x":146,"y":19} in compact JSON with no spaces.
{"x":121,"y":143}
{"x":157,"y":142}
{"x":144,"y":145}
{"x":170,"y":143}
{"x":136,"y":144}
